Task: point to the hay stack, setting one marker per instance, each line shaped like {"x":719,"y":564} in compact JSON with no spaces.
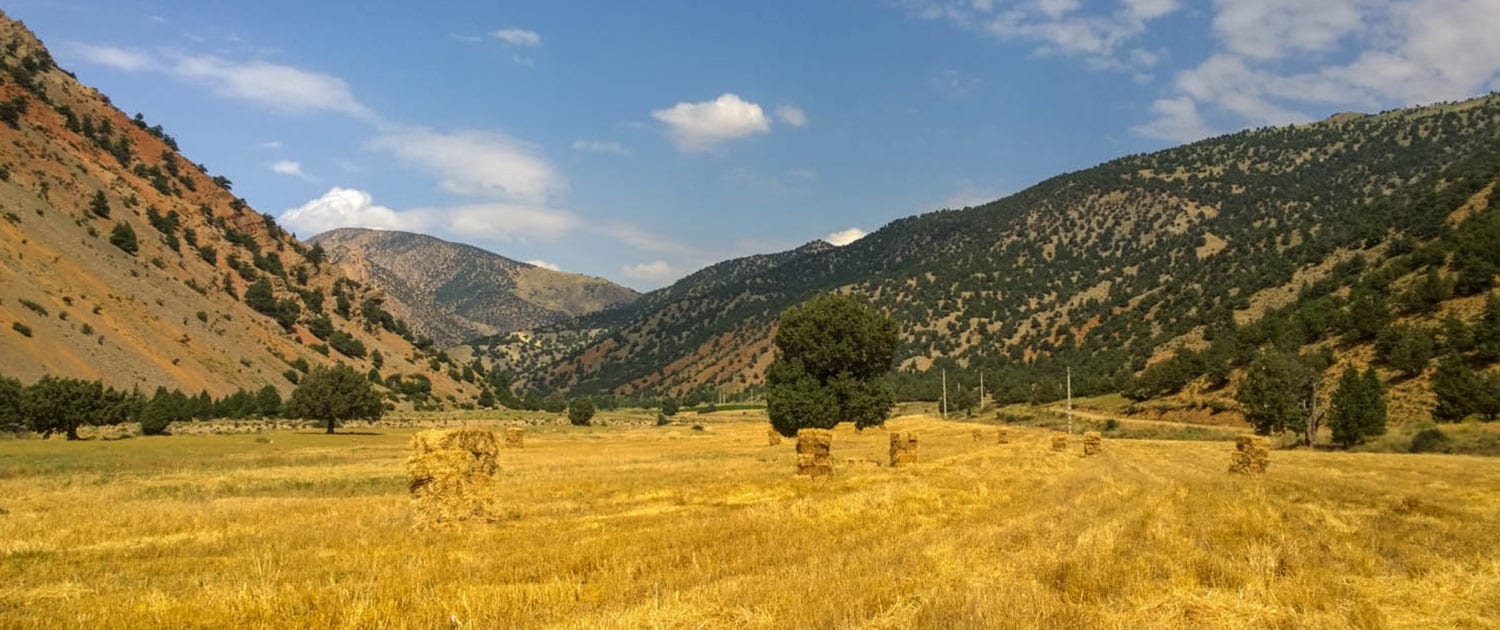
{"x":1002,"y":437}
{"x":514,"y":437}
{"x":903,"y":448}
{"x":1093,"y":443}
{"x":1252,"y":453}
{"x":1059,"y":442}
{"x":453,"y":475}
{"x":978,"y":435}
{"x":773,"y":438}
{"x":814,"y":452}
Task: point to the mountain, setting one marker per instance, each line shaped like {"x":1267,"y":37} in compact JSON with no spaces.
{"x":122,"y":260}
{"x":454,"y":292}
{"x":1103,"y":271}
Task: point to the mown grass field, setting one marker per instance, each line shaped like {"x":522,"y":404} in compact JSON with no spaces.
{"x":671,"y":527}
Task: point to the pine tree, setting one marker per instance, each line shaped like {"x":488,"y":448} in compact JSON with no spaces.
{"x":1357,"y":409}
{"x":1457,"y":389}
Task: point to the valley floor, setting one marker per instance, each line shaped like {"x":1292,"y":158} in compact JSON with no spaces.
{"x":672,"y":527}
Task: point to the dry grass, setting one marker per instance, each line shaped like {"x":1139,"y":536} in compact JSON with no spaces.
{"x":668,"y":527}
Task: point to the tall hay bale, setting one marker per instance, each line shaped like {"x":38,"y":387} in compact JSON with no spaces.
{"x":1002,"y":436}
{"x":773,"y":438}
{"x":1059,"y":442}
{"x":903,"y":448}
{"x":814,"y":452}
{"x":978,"y":435}
{"x":453,"y":475}
{"x":515,"y":437}
{"x":1252,"y":454}
{"x":1093,"y":443}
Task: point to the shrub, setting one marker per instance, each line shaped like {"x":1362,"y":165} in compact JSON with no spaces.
{"x":1430,"y":440}
{"x":581,"y":412}
{"x":21,"y":328}
{"x":662,"y":420}
{"x":123,"y":237}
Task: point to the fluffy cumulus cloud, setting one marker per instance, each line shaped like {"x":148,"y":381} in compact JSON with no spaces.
{"x":477,"y":163}
{"x":845,"y":237}
{"x":518,"y":37}
{"x":655,"y":272}
{"x":1281,"y":61}
{"x":697,"y":127}
{"x":543,"y":264}
{"x":791,"y":115}
{"x":342,"y":207}
{"x":494,"y":221}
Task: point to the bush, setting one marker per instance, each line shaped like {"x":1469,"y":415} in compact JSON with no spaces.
{"x":669,"y":406}
{"x":662,"y":420}
{"x":123,"y":237}
{"x":21,"y":328}
{"x":581,"y":412}
{"x":1430,"y":440}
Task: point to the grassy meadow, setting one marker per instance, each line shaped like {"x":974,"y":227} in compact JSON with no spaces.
{"x":674,"y":527}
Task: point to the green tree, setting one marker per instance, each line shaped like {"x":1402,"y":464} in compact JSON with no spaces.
{"x":486,"y":399}
{"x":670,"y":406}
{"x":333,"y":395}
{"x":833,"y":351}
{"x":11,"y":418}
{"x":123,"y":237}
{"x":581,"y":411}
{"x":268,"y":402}
{"x":1457,"y":388}
{"x":164,"y":408}
{"x":1279,"y":393}
{"x":1487,"y":332}
{"x":100,"y":205}
{"x":555,"y":402}
{"x":1356,"y":411}
{"x":1406,"y":348}
{"x":61,"y":405}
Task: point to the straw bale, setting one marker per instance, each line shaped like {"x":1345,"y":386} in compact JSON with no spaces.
{"x":1093,"y":443}
{"x":1002,"y":436}
{"x":514,"y":437}
{"x":773,"y":438}
{"x":1252,"y":454}
{"x":978,"y":435}
{"x":903,"y":448}
{"x":1059,"y":442}
{"x":453,"y":475}
{"x":814,"y":452}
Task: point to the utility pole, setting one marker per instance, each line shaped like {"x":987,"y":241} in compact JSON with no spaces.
{"x":1070,"y":400}
{"x":981,"y":390}
{"x":945,"y":393}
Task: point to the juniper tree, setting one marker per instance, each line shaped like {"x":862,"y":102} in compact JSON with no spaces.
{"x":1357,"y":408}
{"x":333,"y":395}
{"x":832,"y":352}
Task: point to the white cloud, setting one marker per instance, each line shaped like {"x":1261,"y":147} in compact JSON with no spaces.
{"x":696,"y":127}
{"x":543,"y":264}
{"x":477,"y":163}
{"x":1177,"y":120}
{"x":342,"y":207}
{"x":124,"y":59}
{"x":791,"y":115}
{"x":596,"y":146}
{"x":289,"y":168}
{"x":269,"y":144}
{"x":518,"y":37}
{"x":280,"y":87}
{"x":1058,"y":27}
{"x":657,"y":271}
{"x":845,"y":237}
{"x":347,"y":207}
{"x":1279,"y":59}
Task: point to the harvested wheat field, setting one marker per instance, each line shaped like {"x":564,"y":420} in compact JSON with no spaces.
{"x":670,"y":527}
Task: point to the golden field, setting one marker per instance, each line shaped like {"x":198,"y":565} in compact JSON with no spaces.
{"x":672,"y":527}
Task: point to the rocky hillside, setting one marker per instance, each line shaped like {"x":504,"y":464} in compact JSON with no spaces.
{"x":1105,"y":270}
{"x":123,"y":260}
{"x":453,"y":292}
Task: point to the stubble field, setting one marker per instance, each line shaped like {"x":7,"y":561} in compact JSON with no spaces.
{"x":672,"y":527}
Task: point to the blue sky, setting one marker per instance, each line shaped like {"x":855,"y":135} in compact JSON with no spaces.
{"x":641,"y":141}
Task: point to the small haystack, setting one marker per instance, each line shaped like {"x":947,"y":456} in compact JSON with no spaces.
{"x":773,"y":438}
{"x":978,"y":435}
{"x":1093,"y":443}
{"x":814,"y":452}
{"x":1002,"y":436}
{"x":514,"y":437}
{"x":1059,"y":442}
{"x":903,"y":448}
{"x":453,"y":475}
{"x":1252,"y":453}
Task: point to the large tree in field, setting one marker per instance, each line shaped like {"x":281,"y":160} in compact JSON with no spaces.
{"x":61,"y":405}
{"x":833,"y":349}
{"x":1356,"y":411}
{"x":1280,"y":393}
{"x":333,"y":395}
